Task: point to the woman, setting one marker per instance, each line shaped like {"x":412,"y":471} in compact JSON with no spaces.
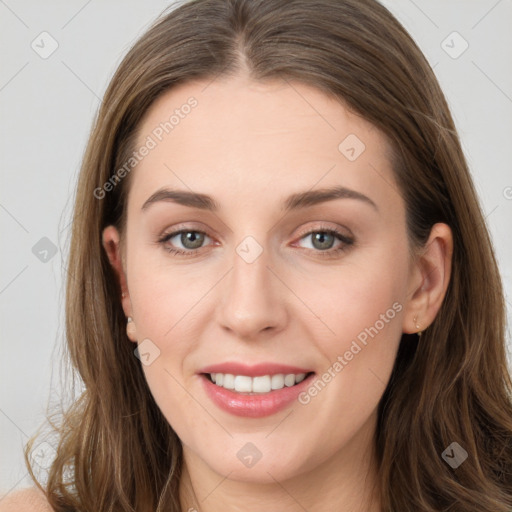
{"x":282,"y":294}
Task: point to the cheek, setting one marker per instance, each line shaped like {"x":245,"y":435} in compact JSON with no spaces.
{"x":365,"y":292}
{"x":163,"y":294}
{"x":360,"y":308}
{"x":166,"y":300}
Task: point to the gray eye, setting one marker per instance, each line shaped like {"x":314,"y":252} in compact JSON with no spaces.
{"x":190,"y":239}
{"x":321,"y":240}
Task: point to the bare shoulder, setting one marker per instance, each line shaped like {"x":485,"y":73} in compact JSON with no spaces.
{"x":25,"y":500}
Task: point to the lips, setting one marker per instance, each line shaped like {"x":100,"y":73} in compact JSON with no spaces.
{"x":254,"y":391}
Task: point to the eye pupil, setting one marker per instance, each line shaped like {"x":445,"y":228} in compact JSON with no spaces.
{"x":192,"y":236}
{"x":320,"y":237}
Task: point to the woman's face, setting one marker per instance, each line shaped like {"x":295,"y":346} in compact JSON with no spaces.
{"x":263,"y":291}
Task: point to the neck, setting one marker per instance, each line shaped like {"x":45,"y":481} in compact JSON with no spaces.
{"x":348,"y":479}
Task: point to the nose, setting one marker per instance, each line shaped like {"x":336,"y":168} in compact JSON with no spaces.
{"x":253,"y":297}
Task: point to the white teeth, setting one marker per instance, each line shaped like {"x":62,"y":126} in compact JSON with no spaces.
{"x":277,"y":381}
{"x":242,"y":383}
{"x":260,"y":384}
{"x":289,"y":380}
{"x":300,"y":377}
{"x":229,"y":381}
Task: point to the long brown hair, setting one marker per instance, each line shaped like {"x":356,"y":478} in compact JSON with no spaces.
{"x":116,"y":451}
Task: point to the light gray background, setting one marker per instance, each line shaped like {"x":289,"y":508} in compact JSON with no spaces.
{"x":47,"y":107}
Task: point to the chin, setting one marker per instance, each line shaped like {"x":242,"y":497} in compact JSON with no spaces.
{"x":262,"y":473}
{"x":248,"y":464}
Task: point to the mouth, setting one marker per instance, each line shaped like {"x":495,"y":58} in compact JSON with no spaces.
{"x":254,"y":391}
{"x":261,"y":384}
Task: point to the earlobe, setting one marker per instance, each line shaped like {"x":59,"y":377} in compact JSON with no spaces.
{"x":430,"y":280}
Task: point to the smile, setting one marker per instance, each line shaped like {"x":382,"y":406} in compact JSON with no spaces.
{"x":254,"y":391}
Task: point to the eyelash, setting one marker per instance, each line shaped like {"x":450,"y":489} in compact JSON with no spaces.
{"x":329,"y":253}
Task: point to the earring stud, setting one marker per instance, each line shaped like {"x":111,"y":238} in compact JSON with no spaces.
{"x":415,"y":320}
{"x":130,"y":327}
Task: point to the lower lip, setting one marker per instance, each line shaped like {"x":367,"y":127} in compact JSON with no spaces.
{"x":254,"y":406}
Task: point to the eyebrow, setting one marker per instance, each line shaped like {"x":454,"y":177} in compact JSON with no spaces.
{"x":296,"y":201}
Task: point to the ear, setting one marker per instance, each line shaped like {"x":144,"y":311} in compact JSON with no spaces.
{"x":429,"y":280}
{"x":111,"y":244}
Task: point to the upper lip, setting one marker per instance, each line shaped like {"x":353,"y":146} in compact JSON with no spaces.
{"x":253,"y":370}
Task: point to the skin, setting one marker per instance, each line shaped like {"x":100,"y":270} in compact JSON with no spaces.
{"x":250,"y":145}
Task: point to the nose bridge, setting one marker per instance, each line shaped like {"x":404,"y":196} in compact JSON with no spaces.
{"x":251,"y":298}
{"x":250,"y":265}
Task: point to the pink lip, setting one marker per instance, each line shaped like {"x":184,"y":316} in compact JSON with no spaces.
{"x":253,"y":370}
{"x":257,"y":405}
{"x":253,"y":405}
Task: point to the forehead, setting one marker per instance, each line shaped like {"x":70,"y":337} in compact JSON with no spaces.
{"x":235,"y":138}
